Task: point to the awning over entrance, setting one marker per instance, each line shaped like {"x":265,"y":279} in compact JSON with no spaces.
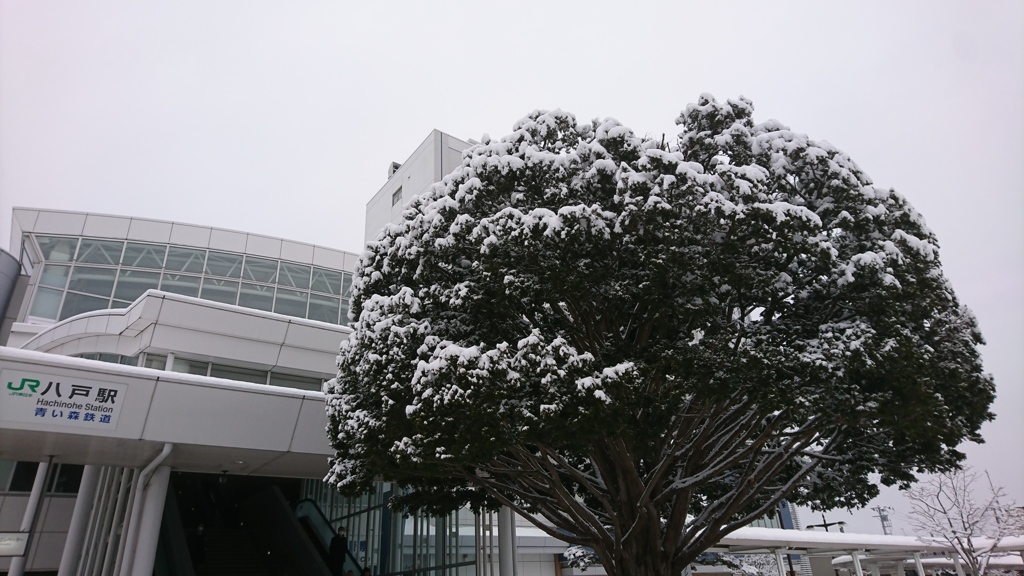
{"x":88,"y":412}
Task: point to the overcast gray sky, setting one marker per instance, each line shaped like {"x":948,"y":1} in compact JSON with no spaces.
{"x":282,"y":117}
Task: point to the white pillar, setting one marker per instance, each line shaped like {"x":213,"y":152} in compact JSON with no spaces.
{"x":874,"y":570}
{"x":918,"y":565}
{"x":956,"y":564}
{"x":856,"y":563}
{"x":149,"y":521}
{"x":79,"y":521}
{"x":780,"y":568}
{"x":28,"y":519}
{"x":131,"y":539}
{"x":901,"y":569}
{"x":119,"y":525}
{"x":506,"y":542}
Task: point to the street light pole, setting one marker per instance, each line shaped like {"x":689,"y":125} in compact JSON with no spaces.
{"x":825,"y":524}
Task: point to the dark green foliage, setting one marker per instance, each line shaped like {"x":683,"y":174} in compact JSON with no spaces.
{"x":648,"y":347}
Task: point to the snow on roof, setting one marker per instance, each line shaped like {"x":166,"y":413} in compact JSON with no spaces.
{"x":772,"y":538}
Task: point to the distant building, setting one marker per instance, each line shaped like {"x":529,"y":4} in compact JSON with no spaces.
{"x":432,"y":160}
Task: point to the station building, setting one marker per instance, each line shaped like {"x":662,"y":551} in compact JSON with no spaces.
{"x":160,"y":392}
{"x":161,"y":409}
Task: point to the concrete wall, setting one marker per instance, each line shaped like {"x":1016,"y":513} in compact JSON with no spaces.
{"x":12,"y":291}
{"x":433,"y":159}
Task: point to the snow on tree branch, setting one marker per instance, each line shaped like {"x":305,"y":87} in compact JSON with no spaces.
{"x":954,"y":508}
{"x":642,"y":345}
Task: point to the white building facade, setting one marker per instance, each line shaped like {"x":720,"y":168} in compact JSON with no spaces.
{"x":161,"y":407}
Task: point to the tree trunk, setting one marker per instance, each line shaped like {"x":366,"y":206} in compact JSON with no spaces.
{"x":642,"y":557}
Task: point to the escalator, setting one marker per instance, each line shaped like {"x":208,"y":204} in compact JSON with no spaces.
{"x":241,"y":525}
{"x":286,"y":545}
{"x":320,"y":532}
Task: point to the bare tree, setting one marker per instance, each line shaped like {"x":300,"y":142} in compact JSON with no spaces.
{"x":947,"y":506}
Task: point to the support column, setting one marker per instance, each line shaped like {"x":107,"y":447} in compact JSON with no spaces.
{"x":35,"y":499}
{"x":874,"y":570}
{"x":120,"y":511}
{"x":506,"y":542}
{"x":901,"y":570}
{"x":856,"y":563}
{"x":956,"y":564}
{"x":918,"y":565}
{"x":780,"y":567}
{"x":149,"y":521}
{"x":130,"y":540}
{"x":79,"y":521}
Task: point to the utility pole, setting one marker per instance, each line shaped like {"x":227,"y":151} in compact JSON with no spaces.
{"x":883,"y":515}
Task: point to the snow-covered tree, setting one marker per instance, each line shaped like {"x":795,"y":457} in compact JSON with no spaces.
{"x":973,"y":520}
{"x":755,"y":565}
{"x":643,"y":346}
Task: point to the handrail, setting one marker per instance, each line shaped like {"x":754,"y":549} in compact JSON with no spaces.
{"x":308,"y":508}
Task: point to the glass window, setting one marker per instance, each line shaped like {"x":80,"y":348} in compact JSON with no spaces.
{"x":23,"y":477}
{"x":133,"y":283}
{"x":328,"y":281}
{"x":118,"y":304}
{"x":6,"y":468}
{"x":112,"y":358}
{"x":185,"y":260}
{"x":75,"y":304}
{"x":28,"y":261}
{"x":190,"y":366}
{"x":155,"y":361}
{"x":66,"y":478}
{"x":291,"y":303}
{"x":257,"y":297}
{"x":224,"y":291}
{"x":92,"y":280}
{"x":260,"y":270}
{"x":57,"y":249}
{"x":100,"y":251}
{"x":240,"y":374}
{"x":324,"y":308}
{"x":346,"y":285}
{"x":55,"y":275}
{"x":294,"y":275}
{"x":46,"y":304}
{"x":300,"y":382}
{"x":224,"y":264}
{"x":144,"y":256}
{"x":344,"y":312}
{"x":180,"y":284}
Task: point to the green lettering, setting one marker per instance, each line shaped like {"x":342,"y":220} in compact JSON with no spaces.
{"x":33,"y":385}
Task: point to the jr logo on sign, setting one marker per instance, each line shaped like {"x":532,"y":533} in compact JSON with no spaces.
{"x":32,"y":385}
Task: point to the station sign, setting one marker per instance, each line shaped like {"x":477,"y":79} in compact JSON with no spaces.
{"x":60,"y":401}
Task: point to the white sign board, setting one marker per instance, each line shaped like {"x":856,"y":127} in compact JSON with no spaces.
{"x":13,"y":543}
{"x":60,"y":401}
